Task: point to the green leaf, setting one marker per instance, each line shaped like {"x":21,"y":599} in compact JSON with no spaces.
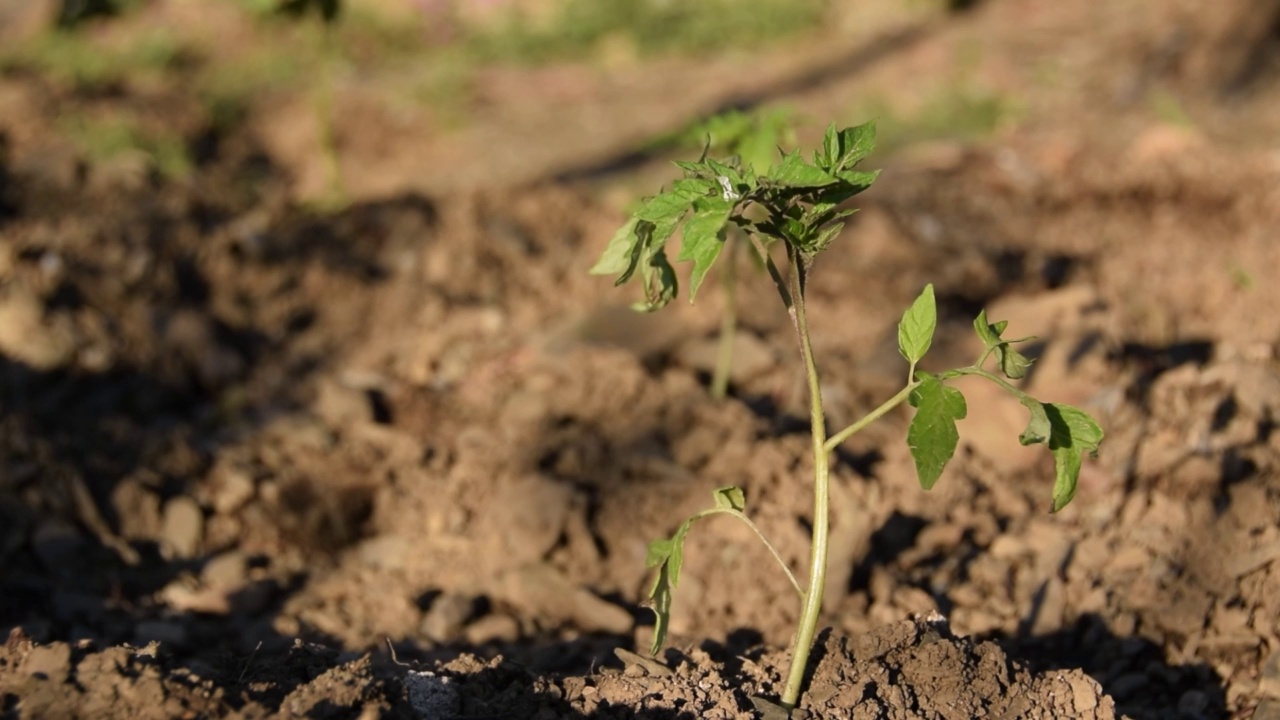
{"x":693,"y":188}
{"x":668,"y":557}
{"x":725,"y":171}
{"x":703,"y":238}
{"x":856,"y":143}
{"x":731,"y":498}
{"x":793,"y":172}
{"x":617,"y":255}
{"x":1069,"y":433}
{"x":1038,"y":427}
{"x":1074,"y":434}
{"x":825,"y":237}
{"x":660,"y":283}
{"x":858,"y":178}
{"x":989,"y":335}
{"x":694,"y":169}
{"x":830,"y":146}
{"x":1012,"y":363}
{"x":665,"y":207}
{"x":915,"y":331}
{"x":933,"y":436}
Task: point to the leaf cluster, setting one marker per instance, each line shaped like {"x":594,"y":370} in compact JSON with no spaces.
{"x":798,"y":202}
{"x":1068,"y":432}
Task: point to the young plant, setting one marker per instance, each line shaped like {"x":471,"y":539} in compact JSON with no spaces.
{"x":797,"y":206}
{"x":754,"y":138}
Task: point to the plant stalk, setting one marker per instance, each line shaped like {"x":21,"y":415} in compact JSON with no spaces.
{"x":812,"y":605}
{"x":728,"y":324}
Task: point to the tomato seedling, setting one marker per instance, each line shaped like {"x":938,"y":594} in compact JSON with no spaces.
{"x":797,"y":205}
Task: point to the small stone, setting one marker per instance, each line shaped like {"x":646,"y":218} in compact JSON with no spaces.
{"x":228,"y":570}
{"x":341,"y":406}
{"x":233,"y":487}
{"x":495,"y":628}
{"x":444,"y":620}
{"x":183,"y":527}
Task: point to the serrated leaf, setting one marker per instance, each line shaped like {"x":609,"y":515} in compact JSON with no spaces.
{"x":668,"y":557}
{"x":793,"y":172}
{"x":825,"y":237}
{"x":856,"y":143}
{"x":726,"y":171}
{"x":617,"y":255}
{"x":989,"y":335}
{"x":693,"y":188}
{"x":858,"y":179}
{"x":1038,"y":427}
{"x":933,"y":436}
{"x":830,"y":146}
{"x":657,"y":553}
{"x":694,"y":169}
{"x":702,"y":241}
{"x":1073,"y":435}
{"x":731,"y":498}
{"x":665,"y":207}
{"x":1070,"y":434}
{"x":660,"y":283}
{"x":915,"y":331}
{"x":1012,"y":363}
{"x":660,"y":597}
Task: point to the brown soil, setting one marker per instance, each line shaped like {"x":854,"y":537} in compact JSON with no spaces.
{"x":402,"y":459}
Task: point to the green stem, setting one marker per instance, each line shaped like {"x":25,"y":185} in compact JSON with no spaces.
{"x":760,"y":534}
{"x":812,"y":605}
{"x":728,"y":324}
{"x":974,"y":370}
{"x":834,"y":441}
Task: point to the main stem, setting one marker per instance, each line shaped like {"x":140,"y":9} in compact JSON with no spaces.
{"x":812,"y":606}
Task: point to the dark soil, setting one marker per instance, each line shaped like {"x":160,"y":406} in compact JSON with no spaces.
{"x":402,"y":459}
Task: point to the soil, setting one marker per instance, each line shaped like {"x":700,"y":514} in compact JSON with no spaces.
{"x":402,"y":459}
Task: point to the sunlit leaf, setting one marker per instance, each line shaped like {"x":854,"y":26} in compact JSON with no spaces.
{"x":915,"y":331}
{"x":933,"y":436}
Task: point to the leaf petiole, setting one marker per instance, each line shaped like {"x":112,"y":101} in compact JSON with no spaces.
{"x":731,"y":512}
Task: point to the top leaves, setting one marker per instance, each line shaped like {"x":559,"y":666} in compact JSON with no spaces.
{"x":843,"y":149}
{"x":915,"y":331}
{"x":799,"y":203}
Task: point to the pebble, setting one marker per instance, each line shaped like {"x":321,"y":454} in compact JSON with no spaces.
{"x":495,"y":628}
{"x":443,"y":622}
{"x":228,"y":570}
{"x":183,"y":527}
{"x":233,"y":488}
